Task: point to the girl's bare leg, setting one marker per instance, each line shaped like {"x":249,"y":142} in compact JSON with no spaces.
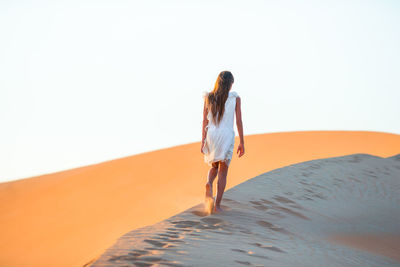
{"x":212,"y":174}
{"x":222,"y":173}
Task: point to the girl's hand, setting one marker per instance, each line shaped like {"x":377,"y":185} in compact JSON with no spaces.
{"x":240,"y":149}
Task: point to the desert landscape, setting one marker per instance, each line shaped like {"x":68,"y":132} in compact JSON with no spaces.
{"x":112,"y":111}
{"x":284,"y":217}
{"x":75,"y":217}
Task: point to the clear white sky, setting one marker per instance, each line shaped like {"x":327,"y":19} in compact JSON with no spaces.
{"x":83,"y":82}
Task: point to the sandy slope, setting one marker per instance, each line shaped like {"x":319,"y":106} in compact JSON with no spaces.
{"x":285,"y":217}
{"x":69,"y":218}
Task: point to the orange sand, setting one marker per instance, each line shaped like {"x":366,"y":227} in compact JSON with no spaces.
{"x":69,"y":218}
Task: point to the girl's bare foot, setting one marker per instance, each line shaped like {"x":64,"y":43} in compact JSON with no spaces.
{"x":209,"y":193}
{"x":217,"y":209}
{"x":209,"y":201}
{"x":209,"y":205}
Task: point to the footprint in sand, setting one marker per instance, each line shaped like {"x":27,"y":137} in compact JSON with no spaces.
{"x":155,"y":243}
{"x":272,"y":227}
{"x":272,"y":248}
{"x":267,"y":201}
{"x":141,"y":260}
{"x":185,"y":224}
{"x":212,"y":224}
{"x":258,"y":205}
{"x":283,"y":200}
{"x":213,"y":221}
{"x":250,"y":253}
{"x":291,"y":212}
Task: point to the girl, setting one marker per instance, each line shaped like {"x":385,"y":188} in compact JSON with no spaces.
{"x":218,"y":135}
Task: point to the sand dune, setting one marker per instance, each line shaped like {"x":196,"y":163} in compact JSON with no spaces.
{"x":283,"y":218}
{"x":69,"y":218}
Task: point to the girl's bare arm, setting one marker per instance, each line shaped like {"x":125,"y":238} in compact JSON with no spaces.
{"x":205,"y":121}
{"x":239,"y":122}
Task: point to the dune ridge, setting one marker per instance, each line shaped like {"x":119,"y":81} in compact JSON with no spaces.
{"x":284,"y":217}
{"x":69,"y":218}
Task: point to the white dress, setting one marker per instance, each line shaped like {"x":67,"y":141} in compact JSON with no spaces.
{"x":220,"y":140}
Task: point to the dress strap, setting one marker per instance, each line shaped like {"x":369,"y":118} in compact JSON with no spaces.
{"x":234,"y":94}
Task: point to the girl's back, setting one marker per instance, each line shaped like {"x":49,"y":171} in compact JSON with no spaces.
{"x":227,"y":121}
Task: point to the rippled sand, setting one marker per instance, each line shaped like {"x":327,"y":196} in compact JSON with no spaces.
{"x":336,"y":212}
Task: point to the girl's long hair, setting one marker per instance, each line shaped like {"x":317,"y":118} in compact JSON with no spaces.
{"x":215,"y":101}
